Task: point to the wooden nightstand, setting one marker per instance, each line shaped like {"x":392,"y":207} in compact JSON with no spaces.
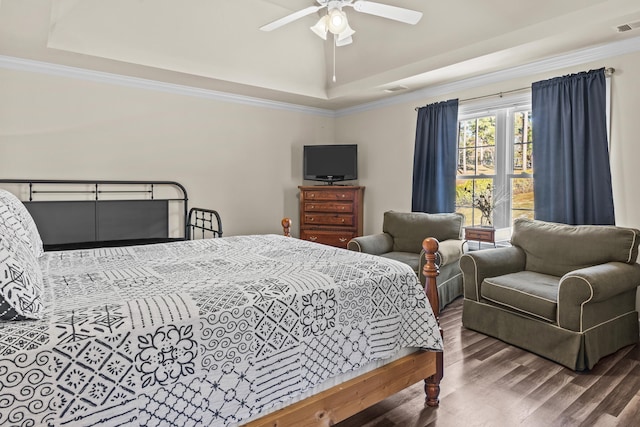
{"x":480,"y":234}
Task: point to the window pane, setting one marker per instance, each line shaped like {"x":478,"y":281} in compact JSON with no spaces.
{"x":466,"y":161}
{"x":522,"y":139}
{"x":476,"y":146}
{"x":486,"y":161}
{"x":468,"y":197}
{"x":464,"y":199}
{"x":522,"y":198}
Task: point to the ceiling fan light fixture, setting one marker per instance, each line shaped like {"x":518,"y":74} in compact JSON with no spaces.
{"x":337,"y":21}
{"x":321,"y":27}
{"x":344,"y":41}
{"x":346,"y":33}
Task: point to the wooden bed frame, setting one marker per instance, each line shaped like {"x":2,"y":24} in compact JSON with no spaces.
{"x":344,"y":400}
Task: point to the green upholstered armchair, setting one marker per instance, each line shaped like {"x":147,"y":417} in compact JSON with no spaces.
{"x":564,"y":292}
{"x":401,"y":239}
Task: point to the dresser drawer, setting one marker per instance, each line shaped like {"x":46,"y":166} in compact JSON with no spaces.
{"x":328,"y":219}
{"x":328,"y":195}
{"x":333,"y":238}
{"x":481,"y":234}
{"x":328,"y":207}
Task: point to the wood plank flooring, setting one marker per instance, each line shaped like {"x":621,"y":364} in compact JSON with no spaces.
{"x":490,"y":383}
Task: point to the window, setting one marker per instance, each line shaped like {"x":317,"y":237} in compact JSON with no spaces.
{"x":495,"y":167}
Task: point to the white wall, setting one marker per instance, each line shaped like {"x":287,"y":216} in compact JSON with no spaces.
{"x":242,"y":160}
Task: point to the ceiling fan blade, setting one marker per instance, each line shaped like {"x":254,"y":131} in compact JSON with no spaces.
{"x":290,"y":18}
{"x":407,"y":16}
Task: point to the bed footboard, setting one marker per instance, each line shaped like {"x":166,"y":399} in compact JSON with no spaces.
{"x":345,"y":400}
{"x":203,"y":224}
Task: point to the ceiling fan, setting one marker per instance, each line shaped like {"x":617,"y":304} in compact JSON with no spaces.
{"x":335,"y":21}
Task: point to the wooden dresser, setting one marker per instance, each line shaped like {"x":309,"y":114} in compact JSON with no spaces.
{"x":331,"y":214}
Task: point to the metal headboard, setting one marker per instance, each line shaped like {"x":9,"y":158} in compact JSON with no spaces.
{"x":111,"y":212}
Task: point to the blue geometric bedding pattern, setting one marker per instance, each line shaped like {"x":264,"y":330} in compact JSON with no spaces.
{"x":203,"y":332}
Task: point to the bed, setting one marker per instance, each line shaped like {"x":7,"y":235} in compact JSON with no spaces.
{"x":224,"y":331}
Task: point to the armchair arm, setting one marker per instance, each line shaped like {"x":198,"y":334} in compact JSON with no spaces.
{"x":449,"y":251}
{"x":591,"y":285}
{"x":375,"y":244}
{"x":478,"y":265}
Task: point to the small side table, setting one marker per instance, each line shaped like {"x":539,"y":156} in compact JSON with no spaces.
{"x":481,"y":234}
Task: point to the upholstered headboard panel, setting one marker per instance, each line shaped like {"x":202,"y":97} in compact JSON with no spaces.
{"x":81,"y":221}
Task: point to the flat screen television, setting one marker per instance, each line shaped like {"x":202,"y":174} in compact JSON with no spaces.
{"x":330,"y":163}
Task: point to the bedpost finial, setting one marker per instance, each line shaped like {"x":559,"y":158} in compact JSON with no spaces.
{"x":286,"y":226}
{"x":430,"y":271}
{"x":430,"y":245}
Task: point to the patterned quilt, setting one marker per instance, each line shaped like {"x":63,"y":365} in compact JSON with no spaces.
{"x":202,"y":333}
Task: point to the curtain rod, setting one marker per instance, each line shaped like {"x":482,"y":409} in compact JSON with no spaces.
{"x":608,"y":72}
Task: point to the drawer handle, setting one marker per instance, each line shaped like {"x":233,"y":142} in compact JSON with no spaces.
{"x":313,"y":238}
{"x":343,"y":195}
{"x":311,"y":206}
{"x":342,"y":208}
{"x":311,"y":219}
{"x":342,"y":220}
{"x":342,"y":239}
{"x":312,"y":195}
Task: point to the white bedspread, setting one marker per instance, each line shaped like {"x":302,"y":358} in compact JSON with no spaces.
{"x":205,"y":332}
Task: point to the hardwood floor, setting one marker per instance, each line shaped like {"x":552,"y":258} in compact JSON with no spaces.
{"x":490,"y":383}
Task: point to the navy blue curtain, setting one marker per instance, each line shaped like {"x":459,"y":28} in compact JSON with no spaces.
{"x":434,"y":158}
{"x":572,"y":176}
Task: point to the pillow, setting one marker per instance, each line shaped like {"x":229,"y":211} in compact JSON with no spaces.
{"x":556,"y":249}
{"x":9,"y":224}
{"x":21,"y":213}
{"x":20,"y":279}
{"x":409,"y":229}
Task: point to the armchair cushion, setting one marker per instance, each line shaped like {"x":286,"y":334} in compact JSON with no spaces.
{"x":478,"y":265}
{"x":557,"y":249}
{"x":406,"y":257}
{"x":410,"y":229}
{"x":528,"y":292}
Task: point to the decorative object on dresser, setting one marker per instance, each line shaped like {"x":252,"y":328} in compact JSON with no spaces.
{"x":331,"y":214}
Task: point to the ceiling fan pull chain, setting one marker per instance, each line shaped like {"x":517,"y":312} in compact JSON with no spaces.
{"x":334,"y":57}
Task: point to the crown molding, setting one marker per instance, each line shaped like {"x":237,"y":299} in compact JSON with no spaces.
{"x":20,"y":64}
{"x":569,"y":59}
{"x":577,"y":57}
